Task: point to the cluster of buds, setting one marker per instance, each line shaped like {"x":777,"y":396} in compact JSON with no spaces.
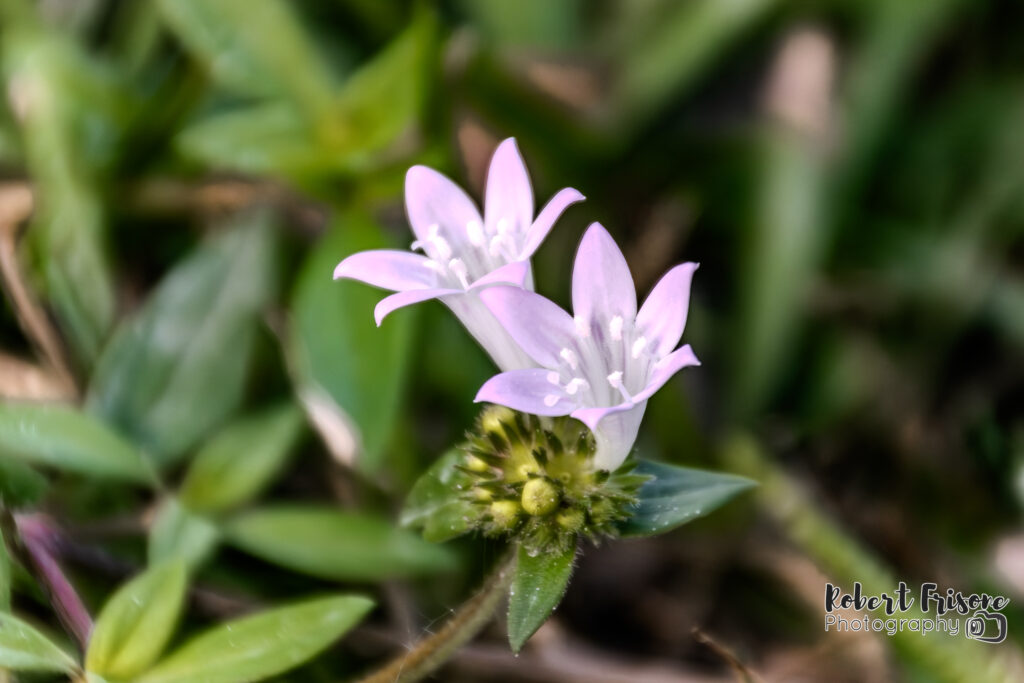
{"x":533,"y":479}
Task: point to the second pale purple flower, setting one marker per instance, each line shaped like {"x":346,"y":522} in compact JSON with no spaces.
{"x":602,"y":364}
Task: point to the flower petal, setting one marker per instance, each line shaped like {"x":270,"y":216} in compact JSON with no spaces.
{"x":389,"y":269}
{"x":509,"y":195}
{"x":527,"y":390}
{"x":413,"y":296}
{"x":516,"y":274}
{"x":539,"y":326}
{"x":433,"y":199}
{"x":665,"y":368}
{"x":565,"y":198}
{"x":615,"y":429}
{"x":662,"y":318}
{"x":602,"y":286}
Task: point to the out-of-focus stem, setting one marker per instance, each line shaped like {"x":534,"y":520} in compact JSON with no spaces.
{"x":430,"y":653}
{"x":38,"y":540}
{"x":952,"y":659}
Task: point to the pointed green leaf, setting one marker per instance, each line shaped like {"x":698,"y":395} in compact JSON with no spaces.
{"x":177,"y":369}
{"x":537,"y":588}
{"x":338,"y":347}
{"x":241,"y":460}
{"x":678,"y":495}
{"x":180,"y":534}
{"x":23,"y":648}
{"x":257,"y":47}
{"x":335,"y":545}
{"x":137,"y":622}
{"x":434,"y":505}
{"x":62,"y":437}
{"x":261,"y":646}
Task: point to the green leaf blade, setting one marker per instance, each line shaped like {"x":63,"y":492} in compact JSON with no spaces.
{"x":539,"y":584}
{"x":338,"y":349}
{"x":23,"y":648}
{"x":241,"y":460}
{"x":190,"y":344}
{"x":258,"y":647}
{"x":137,"y":622}
{"x":334,"y":545}
{"x":178,"y":533}
{"x":677,"y":495}
{"x":62,"y":437}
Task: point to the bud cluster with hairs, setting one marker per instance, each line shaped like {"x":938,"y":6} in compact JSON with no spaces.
{"x":532,"y":479}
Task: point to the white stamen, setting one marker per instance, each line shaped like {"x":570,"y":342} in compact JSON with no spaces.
{"x":615,"y":379}
{"x":554,"y":378}
{"x":459,"y":269}
{"x":575,"y":384}
{"x":475,"y":232}
{"x":638,"y":347}
{"x":435,"y":266}
{"x":615,"y":327}
{"x":503,"y":226}
{"x":550,"y":400}
{"x":444,"y":251}
{"x":582,"y":326}
{"x":495,"y":246}
{"x":569,"y":357}
{"x":417,"y":245}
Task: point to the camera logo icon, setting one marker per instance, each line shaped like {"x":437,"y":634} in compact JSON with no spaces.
{"x":986,"y":627}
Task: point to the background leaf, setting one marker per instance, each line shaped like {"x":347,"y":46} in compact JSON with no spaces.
{"x":678,"y":495}
{"x":261,"y":646}
{"x":62,"y":437}
{"x":537,"y":588}
{"x":137,"y":622}
{"x":234,"y":466}
{"x":257,"y":47}
{"x":23,"y":648}
{"x":334,"y":545}
{"x":339,"y":348}
{"x":190,"y":345}
{"x":177,"y":533}
{"x":20,"y":485}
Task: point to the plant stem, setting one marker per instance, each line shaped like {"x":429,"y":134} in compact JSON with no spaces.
{"x":37,"y":539}
{"x":430,"y":653}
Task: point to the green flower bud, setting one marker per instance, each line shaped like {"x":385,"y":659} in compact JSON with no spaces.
{"x":540,"y":497}
{"x":475,"y":464}
{"x":504,"y":514}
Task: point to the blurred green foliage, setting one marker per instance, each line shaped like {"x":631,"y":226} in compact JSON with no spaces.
{"x":849,"y":175}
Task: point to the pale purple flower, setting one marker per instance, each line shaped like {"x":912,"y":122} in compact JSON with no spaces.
{"x":601,"y":365}
{"x":462,"y":252}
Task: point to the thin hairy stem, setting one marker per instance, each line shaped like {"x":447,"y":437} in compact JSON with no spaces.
{"x":430,"y":653}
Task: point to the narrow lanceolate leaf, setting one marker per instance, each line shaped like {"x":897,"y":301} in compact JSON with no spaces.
{"x":339,"y":349}
{"x":190,"y":345}
{"x":330,"y":544}
{"x":180,"y":534}
{"x":261,"y":646}
{"x":432,"y":504}
{"x":256,"y":47}
{"x":23,"y":648}
{"x":67,"y":91}
{"x":241,"y":460}
{"x":537,"y":588}
{"x":137,"y":622}
{"x":677,"y":495}
{"x":62,"y":437}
